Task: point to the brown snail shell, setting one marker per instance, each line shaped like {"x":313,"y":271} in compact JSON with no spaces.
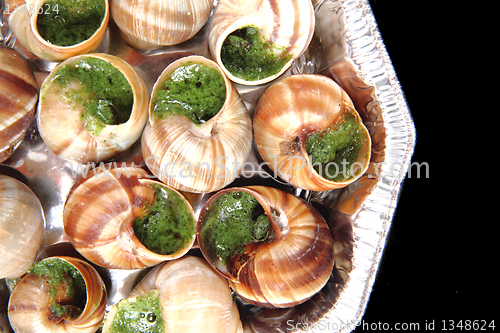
{"x":23,"y":23}
{"x":154,"y":23}
{"x":29,"y":304}
{"x":287,"y":113}
{"x":198,"y":158}
{"x":194,"y":298}
{"x":286,"y":23}
{"x":288,"y":269}
{"x":99,"y":215}
{"x":21,"y":227}
{"x":17,"y":101}
{"x":62,"y":126}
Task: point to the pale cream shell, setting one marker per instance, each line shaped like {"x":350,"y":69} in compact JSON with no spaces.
{"x":289,"y":269}
{"x":286,"y":23}
{"x":18,"y":99}
{"x":150,"y":24}
{"x":63,"y":131}
{"x":23,"y":23}
{"x":194,"y":297}
{"x":198,"y":158}
{"x":99,"y":215}
{"x":287,"y":112}
{"x":22,"y":226}
{"x":29,"y":304}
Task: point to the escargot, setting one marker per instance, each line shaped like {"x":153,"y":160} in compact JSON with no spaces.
{"x":123,"y":219}
{"x":92,"y":107}
{"x":182,"y":295}
{"x":275,"y":249}
{"x":18,"y":99}
{"x":199,"y":132}
{"x":307,"y":129}
{"x":59,"y":294}
{"x":56,"y":30}
{"x":256,"y":41}
{"x":154,"y":23}
{"x":22,"y":226}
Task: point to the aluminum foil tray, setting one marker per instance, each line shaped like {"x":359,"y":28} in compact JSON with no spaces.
{"x":347,"y":47}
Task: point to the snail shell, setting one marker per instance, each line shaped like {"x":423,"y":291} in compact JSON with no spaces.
{"x":289,"y":24}
{"x":63,"y":128}
{"x":23,"y":23}
{"x":99,"y":215}
{"x":198,"y":158}
{"x":18,"y":99}
{"x":287,"y":113}
{"x":22,"y":226}
{"x":149,"y":24}
{"x":286,"y":270}
{"x":194,"y":298}
{"x":29,"y":304}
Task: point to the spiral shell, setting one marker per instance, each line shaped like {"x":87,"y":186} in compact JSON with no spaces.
{"x":287,"y":113}
{"x":288,"y":24}
{"x":286,"y":269}
{"x":149,"y":24}
{"x":29,"y":304}
{"x":23,"y":23}
{"x":198,"y":158}
{"x":193,"y":297}
{"x":63,"y":128}
{"x":21,"y":227}
{"x":99,"y":215}
{"x":18,"y":99}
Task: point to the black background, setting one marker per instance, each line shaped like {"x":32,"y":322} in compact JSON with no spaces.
{"x":437,"y":264}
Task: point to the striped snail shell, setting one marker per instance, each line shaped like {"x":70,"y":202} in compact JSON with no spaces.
{"x":100,"y":212}
{"x":24,"y":24}
{"x":18,"y":99}
{"x":33,"y":307}
{"x":22,"y":226}
{"x":302,"y":106}
{"x":287,"y":266}
{"x":202,"y":157}
{"x":193,"y":298}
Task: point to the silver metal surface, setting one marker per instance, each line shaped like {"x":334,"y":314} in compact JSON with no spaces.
{"x":346,"y":46}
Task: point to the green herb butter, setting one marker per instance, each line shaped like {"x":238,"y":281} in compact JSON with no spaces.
{"x":69,"y":22}
{"x":335,"y":149}
{"x":106,"y":94}
{"x":235,"y":220}
{"x":193,"y":90}
{"x":248,"y":56}
{"x":139,"y":315}
{"x":67,"y":288}
{"x":168,"y":225}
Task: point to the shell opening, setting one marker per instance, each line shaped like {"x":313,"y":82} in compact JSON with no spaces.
{"x":231,"y":228}
{"x":167,"y":224}
{"x":67,"y":23}
{"x":335,"y":151}
{"x":247,"y":55}
{"x":194,"y":90}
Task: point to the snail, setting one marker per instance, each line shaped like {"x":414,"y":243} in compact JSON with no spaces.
{"x":154,"y":23}
{"x":256,"y":41}
{"x":307,"y":130}
{"x":92,"y":107}
{"x":123,"y":219}
{"x":22,"y":226}
{"x":59,"y":294}
{"x":199,"y":132}
{"x":18,"y":99}
{"x":275,"y":249}
{"x":182,"y":295}
{"x":56,"y":30}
